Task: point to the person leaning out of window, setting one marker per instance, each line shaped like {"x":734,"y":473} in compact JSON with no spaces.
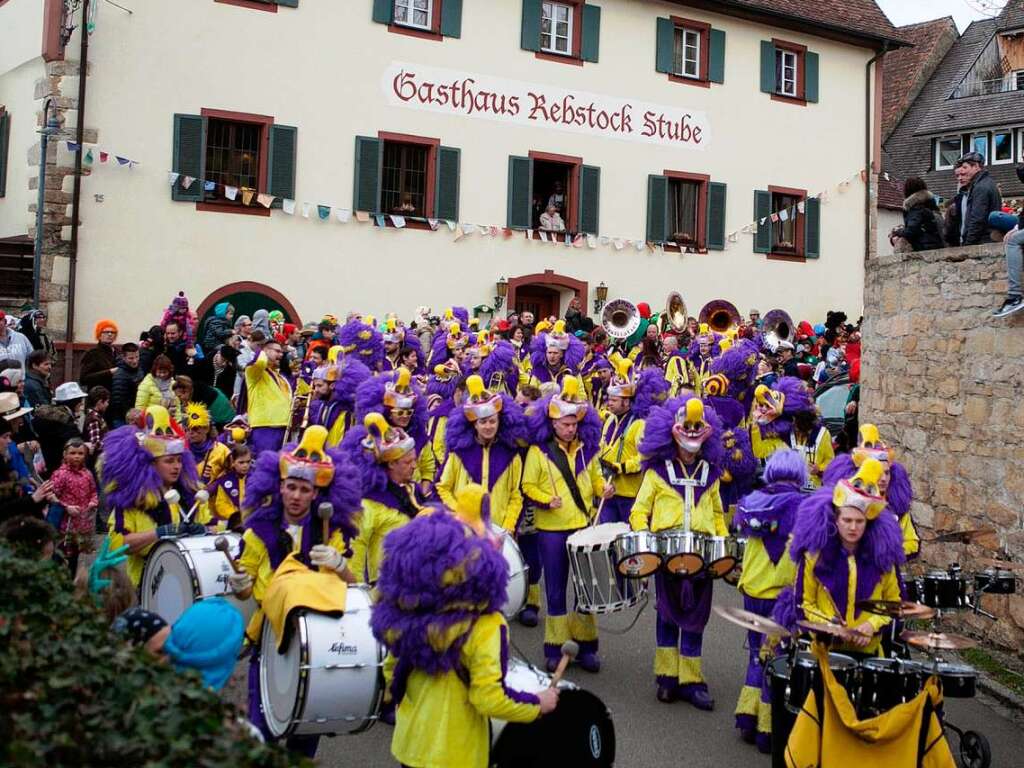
{"x":1014,"y":243}
{"x":978,"y":196}
{"x":551,"y":220}
{"x":921,"y":230}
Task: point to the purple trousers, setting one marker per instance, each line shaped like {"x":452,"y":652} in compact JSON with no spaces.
{"x":529,"y":545}
{"x":555,"y":561}
{"x":684,"y":607}
{"x":302,"y":745}
{"x":616,"y":509}
{"x":266,"y":439}
{"x":755,"y":667}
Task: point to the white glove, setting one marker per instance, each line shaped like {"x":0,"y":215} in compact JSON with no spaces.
{"x":329,"y":557}
{"x":240,"y":582}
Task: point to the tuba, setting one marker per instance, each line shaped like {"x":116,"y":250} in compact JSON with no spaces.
{"x":720,"y":315}
{"x":674,"y":319}
{"x":779,"y":323}
{"x":620,"y":319}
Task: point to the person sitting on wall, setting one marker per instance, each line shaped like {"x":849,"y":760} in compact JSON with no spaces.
{"x":967,"y":221}
{"x":1014,"y":242}
{"x":551,"y":220}
{"x":921,"y":229}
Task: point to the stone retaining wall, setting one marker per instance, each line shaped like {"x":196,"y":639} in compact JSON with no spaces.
{"x":945,"y":383}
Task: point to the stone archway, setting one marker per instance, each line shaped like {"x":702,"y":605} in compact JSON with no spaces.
{"x":246,"y":292}
{"x":548,"y":279}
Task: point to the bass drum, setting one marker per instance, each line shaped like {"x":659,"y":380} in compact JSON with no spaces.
{"x":518,"y":573}
{"x":181,"y":572}
{"x":579,"y":733}
{"x":328,"y":680}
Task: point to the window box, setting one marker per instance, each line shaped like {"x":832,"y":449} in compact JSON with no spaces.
{"x":542,"y":179}
{"x":406,"y":175}
{"x":219,"y":148}
{"x":427,"y":19}
{"x":796,"y":235}
{"x":948,"y":150}
{"x":567,"y":31}
{"x":789,"y":72}
{"x":687,"y":209}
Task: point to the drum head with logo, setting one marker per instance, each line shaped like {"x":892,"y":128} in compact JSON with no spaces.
{"x":279,"y":678}
{"x":168,"y":582}
{"x":579,"y":733}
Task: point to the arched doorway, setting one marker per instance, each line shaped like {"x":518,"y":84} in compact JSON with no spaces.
{"x":544,"y":293}
{"x":246,"y":297}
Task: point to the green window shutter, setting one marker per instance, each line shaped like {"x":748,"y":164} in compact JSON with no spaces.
{"x":531,"y":25}
{"x":665,"y":49}
{"x":811,"y":76}
{"x":288,"y":3}
{"x":189,"y":156}
{"x":767,"y":66}
{"x":657,"y":209}
{"x":716,"y":58}
{"x":451,"y":18}
{"x":591,"y":33}
{"x":366,"y":196}
{"x":715,"y":231}
{"x":5,"y":134}
{"x":446,"y":191}
{"x":590,"y":199}
{"x":812,"y":228}
{"x":520,"y":188}
{"x":762,"y":210}
{"x":383,"y":11}
{"x":281,"y":162}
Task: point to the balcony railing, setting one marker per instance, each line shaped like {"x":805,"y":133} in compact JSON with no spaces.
{"x":989,"y":87}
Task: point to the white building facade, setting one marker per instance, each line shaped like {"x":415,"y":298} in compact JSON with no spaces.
{"x":662,"y":134}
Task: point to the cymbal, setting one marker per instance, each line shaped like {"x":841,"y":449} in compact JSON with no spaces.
{"x":751,"y":621}
{"x":938,"y":641}
{"x":1003,"y":564}
{"x":897,"y":609}
{"x":964,"y":537}
{"x":836,"y":630}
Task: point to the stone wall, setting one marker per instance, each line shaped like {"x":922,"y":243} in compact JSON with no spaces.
{"x":945,"y":382}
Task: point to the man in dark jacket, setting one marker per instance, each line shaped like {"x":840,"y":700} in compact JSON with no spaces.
{"x":33,"y":328}
{"x":125,"y":384}
{"x":1014,"y":241}
{"x":977,"y":198}
{"x":920,"y":217}
{"x":100,"y":362}
{"x":37,"y":379}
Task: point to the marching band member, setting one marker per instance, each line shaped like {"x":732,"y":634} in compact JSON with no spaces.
{"x":450,"y":343}
{"x":784,"y":416}
{"x":446,"y":390}
{"x":894,"y":482}
{"x":228,"y":490}
{"x":138,"y":468}
{"x":561,"y":479}
{"x":679,"y":370}
{"x":442,"y":584}
{"x":281,"y":500}
{"x":765,"y":518}
{"x":596,"y":381}
{"x":703,"y":351}
{"x":335,"y":385}
{"x":555,"y":355}
{"x":439,"y":348}
{"x":526,"y":532}
{"x":847,"y":550}
{"x":386,"y":458}
{"x":680,"y":489}
{"x":359,"y":338}
{"x":630,"y":398}
{"x":500,"y":369}
{"x":482,"y":440}
{"x":393,"y":336}
{"x":269,"y":399}
{"x":211,"y":456}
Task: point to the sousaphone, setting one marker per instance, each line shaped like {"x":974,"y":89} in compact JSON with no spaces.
{"x":620,"y":319}
{"x":777,"y":327}
{"x":674,"y":319}
{"x":720,"y":315}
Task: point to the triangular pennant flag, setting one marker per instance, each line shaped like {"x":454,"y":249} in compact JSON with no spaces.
{"x":801,"y":206}
{"x":379,"y":220}
{"x":187,"y":182}
{"x":604,"y":240}
{"x":506,"y":233}
{"x":619,"y":245}
{"x":73,"y":146}
{"x":306,"y":208}
{"x":265,"y":200}
{"x":639,"y":245}
{"x":459,"y":232}
{"x":568,"y":240}
{"x":362,"y":216}
{"x":230,"y":192}
{"x":124,"y":161}
{"x":468,"y":229}
{"x":784,"y":214}
{"x":763,"y":221}
{"x":323,"y":212}
{"x":288,"y":206}
{"x":433,"y":224}
{"x":864,"y":176}
{"x":485,"y":231}
{"x":495,"y":231}
{"x":247,"y":195}
{"x":451,"y":225}
{"x":579,"y":241}
{"x":343,"y":215}
{"x":529,"y":234}
{"x":543,"y":235}
{"x":209,"y":186}
{"x":172,"y":178}
{"x":650,"y":247}
{"x":88,"y":157}
{"x":775,"y":218}
{"x":591,"y":242}
{"x":104,"y":156}
{"x":398,"y":221}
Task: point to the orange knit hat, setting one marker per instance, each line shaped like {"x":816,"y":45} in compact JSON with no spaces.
{"x":103,"y":325}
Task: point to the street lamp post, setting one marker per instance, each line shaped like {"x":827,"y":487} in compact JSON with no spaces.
{"x":501,"y":291}
{"x":601,"y":295}
{"x":50,"y":127}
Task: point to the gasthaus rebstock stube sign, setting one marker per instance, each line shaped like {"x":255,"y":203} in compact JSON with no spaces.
{"x":511,"y":101}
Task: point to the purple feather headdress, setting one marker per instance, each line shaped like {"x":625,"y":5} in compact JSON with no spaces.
{"x":659,"y":445}
{"x":462,"y":315}
{"x":898,"y":496}
{"x":840,"y":468}
{"x":460,"y":435}
{"x":436,"y":579}
{"x":786,"y":466}
{"x":372,"y":476}
{"x":439,"y":347}
{"x":501,"y":360}
{"x":572,"y":359}
{"x":652,"y":389}
{"x":370,"y":399}
{"x":539,"y":430}
{"x":797,"y":399}
{"x":129,"y":479}
{"x":739,"y":461}
{"x":362,"y":341}
{"x":353,"y":374}
{"x":739,"y":365}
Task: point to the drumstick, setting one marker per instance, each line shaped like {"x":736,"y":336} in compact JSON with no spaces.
{"x":569,"y":650}
{"x":325,"y":511}
{"x":202,"y":496}
{"x":221,"y":544}
{"x":551,"y":478}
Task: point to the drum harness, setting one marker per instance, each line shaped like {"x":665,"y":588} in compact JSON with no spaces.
{"x":699,"y":478}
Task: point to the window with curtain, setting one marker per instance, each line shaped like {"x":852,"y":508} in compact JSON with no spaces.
{"x":232,"y":155}
{"x":784,"y":233}
{"x":414,"y":13}
{"x":556,"y":28}
{"x":683,"y":205}
{"x":404,"y":178}
{"x":686,"y":57}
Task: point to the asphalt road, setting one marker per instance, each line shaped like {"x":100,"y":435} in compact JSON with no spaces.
{"x":654,"y":735}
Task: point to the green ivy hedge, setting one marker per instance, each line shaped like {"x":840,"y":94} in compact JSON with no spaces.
{"x":71,"y":694}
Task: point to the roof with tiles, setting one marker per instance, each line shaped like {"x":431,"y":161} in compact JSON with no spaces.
{"x":907,"y":70}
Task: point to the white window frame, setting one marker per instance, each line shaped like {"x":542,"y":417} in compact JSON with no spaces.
{"x":553,"y":36}
{"x":697,"y":35}
{"x":993,"y":160}
{"x":780,"y":86}
{"x":1020,"y":145}
{"x":938,"y":154}
{"x":1018,"y":80}
{"x":408,"y":6}
{"x":988,"y":144}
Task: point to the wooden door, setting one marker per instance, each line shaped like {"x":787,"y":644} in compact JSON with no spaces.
{"x":539,"y":300}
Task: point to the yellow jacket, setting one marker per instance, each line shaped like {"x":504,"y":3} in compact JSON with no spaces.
{"x":622,"y":453}
{"x":538,"y":474}
{"x":214,"y":464}
{"x":444,"y":723}
{"x":119,"y":524}
{"x":660,"y":505}
{"x":911,"y":540}
{"x":269,"y":395}
{"x":762,"y":579}
{"x":149,"y":394}
{"x":506,"y":497}
{"x":426,"y":465}
{"x":436,"y":426}
{"x":817,"y":604}
{"x":680,"y":373}
{"x":818,"y":456}
{"x":226,"y":496}
{"x":377,"y":519}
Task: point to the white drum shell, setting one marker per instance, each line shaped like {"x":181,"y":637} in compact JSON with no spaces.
{"x":518,"y":573}
{"x":595,"y":578}
{"x":180,"y":572}
{"x":329,"y":680}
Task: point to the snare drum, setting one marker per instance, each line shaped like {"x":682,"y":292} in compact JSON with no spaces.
{"x":992,"y":581}
{"x":518,"y":573}
{"x":579,"y":732}
{"x":959,"y":681}
{"x":636,"y":554}
{"x":329,"y":679}
{"x":592,"y":568}
{"x":739,"y":546}
{"x":886,"y":683}
{"x":720,"y":555}
{"x":944,"y":590}
{"x":681,"y":551}
{"x":180,"y":572}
